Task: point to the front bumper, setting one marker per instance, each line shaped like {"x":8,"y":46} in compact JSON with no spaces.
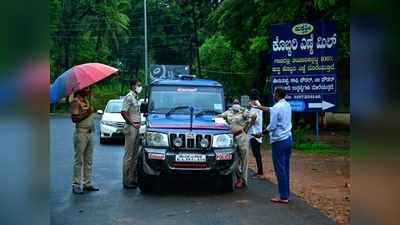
{"x":158,"y":160}
{"x":107,"y":131}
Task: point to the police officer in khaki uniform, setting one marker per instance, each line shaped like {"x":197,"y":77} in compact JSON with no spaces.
{"x":82,"y":116}
{"x":240,"y":120}
{"x":131,"y":113}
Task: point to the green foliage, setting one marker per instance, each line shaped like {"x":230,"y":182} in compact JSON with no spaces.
{"x":304,"y":143}
{"x":232,"y":36}
{"x":222,"y":63}
{"x":322,"y":149}
{"x":324,"y":4}
{"x":301,"y":134}
{"x":247,"y":25}
{"x":102,"y":93}
{"x":258,"y":44}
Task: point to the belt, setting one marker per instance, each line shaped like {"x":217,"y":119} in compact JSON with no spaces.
{"x":83,"y":129}
{"x":238,"y":133}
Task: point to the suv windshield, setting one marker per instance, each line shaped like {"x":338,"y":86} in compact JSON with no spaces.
{"x":164,"y":98}
{"x":114,"y":107}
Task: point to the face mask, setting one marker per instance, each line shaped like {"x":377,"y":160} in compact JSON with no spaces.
{"x":138,"y":89}
{"x":236,"y":107}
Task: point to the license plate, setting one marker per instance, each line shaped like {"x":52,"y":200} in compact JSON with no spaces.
{"x":223,"y":156}
{"x":190,"y":158}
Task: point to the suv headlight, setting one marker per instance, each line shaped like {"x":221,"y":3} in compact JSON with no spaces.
{"x":156,"y":139}
{"x":223,"y":141}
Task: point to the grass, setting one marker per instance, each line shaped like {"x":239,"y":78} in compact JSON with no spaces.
{"x":321,"y":149}
{"x":309,"y":148}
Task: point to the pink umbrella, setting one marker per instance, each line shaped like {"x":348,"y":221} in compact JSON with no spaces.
{"x":78,"y":78}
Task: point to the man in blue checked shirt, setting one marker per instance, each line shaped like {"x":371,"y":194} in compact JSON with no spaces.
{"x":280,"y":132}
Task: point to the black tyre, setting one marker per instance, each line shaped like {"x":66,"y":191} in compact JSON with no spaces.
{"x":102,"y":141}
{"x":146,"y":182}
{"x":225,"y":184}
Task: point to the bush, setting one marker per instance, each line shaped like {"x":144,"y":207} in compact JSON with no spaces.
{"x":304,"y":143}
{"x":301,"y":134}
{"x":101,"y":94}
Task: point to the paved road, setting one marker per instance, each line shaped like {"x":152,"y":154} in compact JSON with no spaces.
{"x":186,"y":202}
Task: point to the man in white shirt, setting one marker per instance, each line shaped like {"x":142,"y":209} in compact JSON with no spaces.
{"x":280,"y":132}
{"x":255,"y":131}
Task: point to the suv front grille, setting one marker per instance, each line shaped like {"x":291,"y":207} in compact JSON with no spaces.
{"x":120,"y":124}
{"x":190,"y":141}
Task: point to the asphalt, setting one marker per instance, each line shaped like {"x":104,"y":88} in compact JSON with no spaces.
{"x":187,"y":201}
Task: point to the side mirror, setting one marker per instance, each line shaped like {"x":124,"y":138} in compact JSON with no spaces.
{"x":144,"y":108}
{"x":100,"y":112}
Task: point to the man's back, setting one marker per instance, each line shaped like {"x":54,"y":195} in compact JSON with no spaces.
{"x":281,"y":121}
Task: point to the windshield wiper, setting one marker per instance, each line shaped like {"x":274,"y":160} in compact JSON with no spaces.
{"x":204,"y":112}
{"x":156,"y":112}
{"x":190,"y":108}
{"x":177,"y":108}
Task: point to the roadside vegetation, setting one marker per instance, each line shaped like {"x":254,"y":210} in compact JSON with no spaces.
{"x":210,"y":36}
{"x":304,"y":141}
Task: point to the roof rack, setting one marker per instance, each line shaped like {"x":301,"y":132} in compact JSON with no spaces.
{"x":187,"y":77}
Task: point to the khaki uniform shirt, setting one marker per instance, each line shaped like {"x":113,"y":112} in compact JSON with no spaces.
{"x":131,"y":105}
{"x":81,"y":105}
{"x":240,"y":120}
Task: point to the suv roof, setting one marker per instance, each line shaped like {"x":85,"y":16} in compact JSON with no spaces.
{"x":120,"y":100}
{"x":115,"y":100}
{"x":187,"y":82}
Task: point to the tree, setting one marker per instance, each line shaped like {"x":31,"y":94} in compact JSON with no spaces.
{"x":254,"y":18}
{"x":227,"y":39}
{"x":110,"y":22}
{"x":224,"y":64}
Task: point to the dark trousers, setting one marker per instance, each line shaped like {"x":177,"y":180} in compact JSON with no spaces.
{"x":256,"y":149}
{"x":281,"y":151}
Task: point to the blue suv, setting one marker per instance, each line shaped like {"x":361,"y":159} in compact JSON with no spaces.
{"x":183,"y":135}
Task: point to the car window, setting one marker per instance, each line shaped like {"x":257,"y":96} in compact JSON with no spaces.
{"x":113,"y":107}
{"x":201,"y":98}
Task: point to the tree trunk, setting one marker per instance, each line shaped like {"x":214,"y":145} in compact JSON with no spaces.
{"x":262,"y":73}
{"x":196,"y":40}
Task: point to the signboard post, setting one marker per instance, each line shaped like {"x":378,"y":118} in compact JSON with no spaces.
{"x":304,"y":65}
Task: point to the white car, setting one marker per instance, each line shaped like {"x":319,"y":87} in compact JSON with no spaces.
{"x":112,"y":123}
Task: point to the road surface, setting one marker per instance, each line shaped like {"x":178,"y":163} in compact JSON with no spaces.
{"x":184,"y":202}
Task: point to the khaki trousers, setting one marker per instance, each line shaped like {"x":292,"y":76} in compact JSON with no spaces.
{"x":243,"y":146}
{"x":129,"y":173}
{"x":83,"y":157}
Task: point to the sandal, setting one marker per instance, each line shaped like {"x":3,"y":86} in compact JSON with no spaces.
{"x":258,"y":176}
{"x":279,"y":200}
{"x":239,"y":185}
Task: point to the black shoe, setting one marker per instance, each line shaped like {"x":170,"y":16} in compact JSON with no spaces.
{"x":130,"y":186}
{"x":77,"y":190}
{"x":90,"y":189}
